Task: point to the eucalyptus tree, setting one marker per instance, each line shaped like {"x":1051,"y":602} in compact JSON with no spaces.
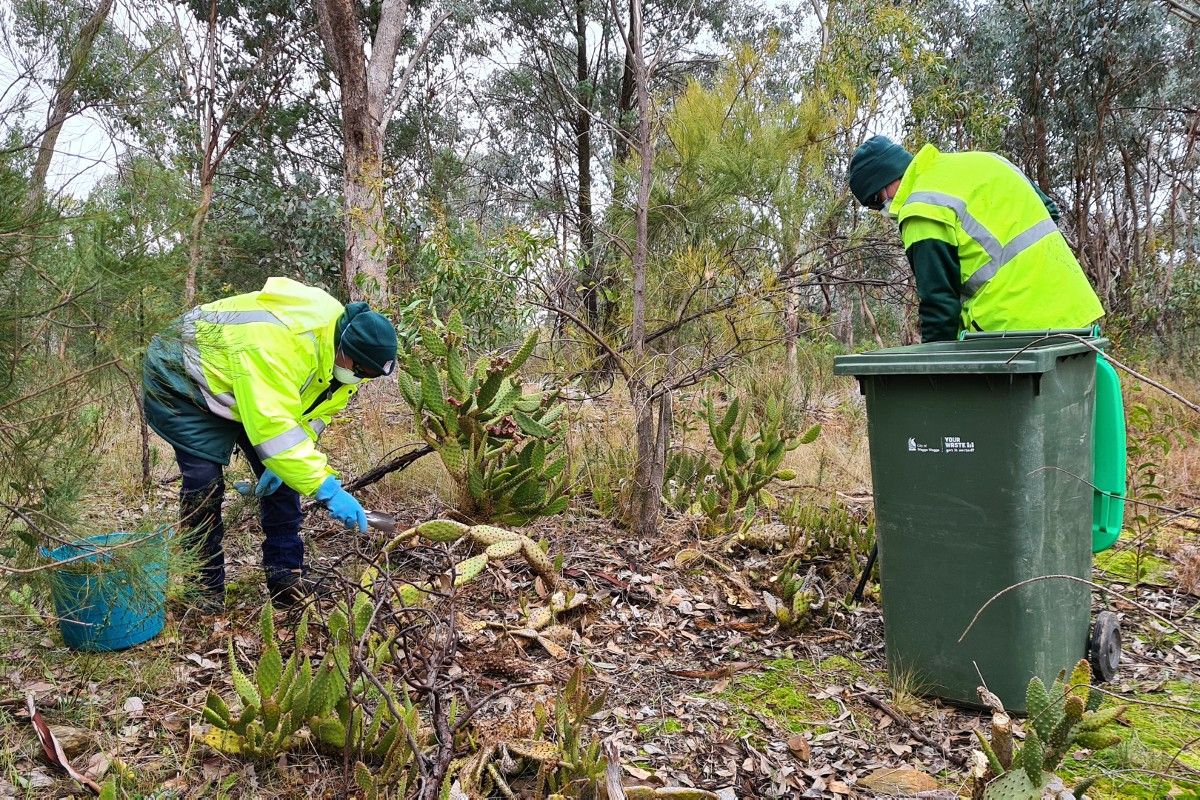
{"x":234,"y":60}
{"x":62,"y":102}
{"x":362,"y":42}
{"x":1099,"y":109}
{"x":561,"y":111}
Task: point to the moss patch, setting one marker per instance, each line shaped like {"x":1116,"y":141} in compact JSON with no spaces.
{"x":660,"y":727}
{"x":1153,"y":738}
{"x":785,"y":690}
{"x":842,"y":665}
{"x":1124,"y":565}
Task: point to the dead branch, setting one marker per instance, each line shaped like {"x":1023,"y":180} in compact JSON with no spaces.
{"x":395,"y":465}
{"x":1190,"y":637}
{"x":914,"y":731}
{"x":1115,"y":363}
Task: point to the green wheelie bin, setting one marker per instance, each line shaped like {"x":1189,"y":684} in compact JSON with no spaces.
{"x":982,"y":458}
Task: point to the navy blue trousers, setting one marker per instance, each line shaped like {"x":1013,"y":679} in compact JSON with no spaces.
{"x":200,"y":519}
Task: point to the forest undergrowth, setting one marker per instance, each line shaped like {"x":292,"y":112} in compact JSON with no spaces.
{"x":731,"y":660}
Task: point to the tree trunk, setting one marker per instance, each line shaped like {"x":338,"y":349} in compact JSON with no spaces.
{"x":194,"y":236}
{"x":208,"y":136}
{"x":60,"y":106}
{"x":364,"y":86}
{"x":792,"y":299}
{"x":652,"y":428}
{"x":625,"y":99}
{"x":589,"y":273}
{"x":791,"y":325}
{"x":365,"y":264}
{"x":637,"y":329}
{"x":646,"y":497}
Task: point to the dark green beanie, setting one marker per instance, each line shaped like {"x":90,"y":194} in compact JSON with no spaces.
{"x":877,"y":162}
{"x":368,"y":338}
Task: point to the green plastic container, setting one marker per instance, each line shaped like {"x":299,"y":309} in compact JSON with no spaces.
{"x":1108,"y":472}
{"x":981,"y":458}
{"x":1108,"y":438}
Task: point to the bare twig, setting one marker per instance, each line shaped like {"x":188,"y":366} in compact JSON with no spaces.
{"x":59,"y":384}
{"x":1175,"y":513}
{"x":1114,"y":362}
{"x":1190,"y":637}
{"x":913,"y":731}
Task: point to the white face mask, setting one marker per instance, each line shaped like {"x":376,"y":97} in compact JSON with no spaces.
{"x":345,"y":376}
{"x":887,"y":208}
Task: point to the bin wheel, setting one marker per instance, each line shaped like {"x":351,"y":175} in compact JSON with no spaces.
{"x":1104,"y":648}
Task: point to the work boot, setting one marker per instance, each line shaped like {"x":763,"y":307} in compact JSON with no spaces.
{"x":208,"y":602}
{"x":293,"y":589}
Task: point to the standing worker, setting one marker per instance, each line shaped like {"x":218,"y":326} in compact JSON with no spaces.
{"x":266,"y":371}
{"x":982,"y":240}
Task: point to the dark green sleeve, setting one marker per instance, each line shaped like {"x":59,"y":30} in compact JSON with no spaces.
{"x":935,"y":265}
{"x":1051,"y":206}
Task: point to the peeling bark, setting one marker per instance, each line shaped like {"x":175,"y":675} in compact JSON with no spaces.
{"x":363,"y":85}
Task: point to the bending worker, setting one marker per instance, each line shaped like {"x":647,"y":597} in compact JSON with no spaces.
{"x":265,"y":371}
{"x":982,"y":240}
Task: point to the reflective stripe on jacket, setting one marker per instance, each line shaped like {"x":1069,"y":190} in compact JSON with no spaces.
{"x":1017,"y":271}
{"x":263,"y":360}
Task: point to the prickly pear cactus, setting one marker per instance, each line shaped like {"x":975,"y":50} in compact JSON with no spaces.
{"x":495,"y":543}
{"x":729,"y":490}
{"x":797,"y":595}
{"x":1064,"y":717}
{"x":1014,"y":785}
{"x":267,"y":723}
{"x":499,"y":442}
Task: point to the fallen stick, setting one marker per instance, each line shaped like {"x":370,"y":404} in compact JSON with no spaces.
{"x":913,"y":730}
{"x":395,"y":465}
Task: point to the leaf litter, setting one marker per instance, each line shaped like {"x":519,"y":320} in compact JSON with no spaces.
{"x":681,"y":648}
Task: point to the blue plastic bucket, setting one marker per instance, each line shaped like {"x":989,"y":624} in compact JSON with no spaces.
{"x":101,"y":606}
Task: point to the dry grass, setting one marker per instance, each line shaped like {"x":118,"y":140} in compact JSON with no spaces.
{"x":1187,"y":568}
{"x":907,"y":691}
{"x":1180,"y":468}
{"x":838,"y":459}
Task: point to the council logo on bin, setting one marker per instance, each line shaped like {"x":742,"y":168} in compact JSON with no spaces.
{"x":956,"y":444}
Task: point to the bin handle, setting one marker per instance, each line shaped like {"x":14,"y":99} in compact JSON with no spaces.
{"x":1083,"y":333}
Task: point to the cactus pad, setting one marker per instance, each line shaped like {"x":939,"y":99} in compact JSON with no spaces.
{"x":539,"y":618}
{"x":1014,"y":785}
{"x":503,"y":549}
{"x":539,"y":562}
{"x":411,"y":595}
{"x":536,"y":749}
{"x":442,"y":530}
{"x":489,"y":535}
{"x":468,"y":570}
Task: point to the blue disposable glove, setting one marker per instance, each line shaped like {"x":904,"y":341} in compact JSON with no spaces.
{"x":342,"y":505}
{"x":267,"y":484}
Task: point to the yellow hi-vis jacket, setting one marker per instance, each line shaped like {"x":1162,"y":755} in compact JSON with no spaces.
{"x":1017,"y":271}
{"x":265,"y":359}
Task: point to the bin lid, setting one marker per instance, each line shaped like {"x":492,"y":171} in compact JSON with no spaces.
{"x":1026,"y":353}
